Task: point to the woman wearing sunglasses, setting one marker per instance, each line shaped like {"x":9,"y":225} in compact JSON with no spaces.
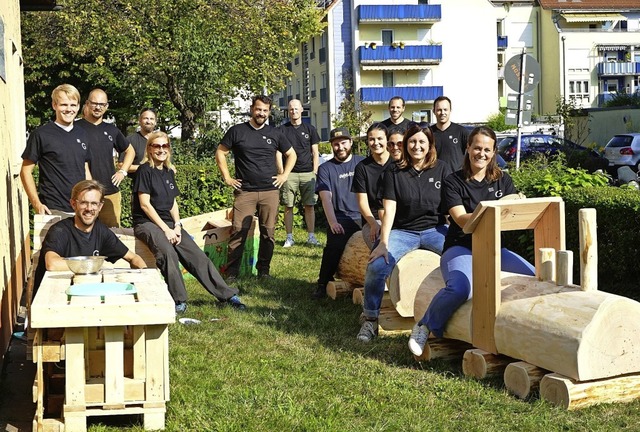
{"x":412,"y":218}
{"x":156,"y":221}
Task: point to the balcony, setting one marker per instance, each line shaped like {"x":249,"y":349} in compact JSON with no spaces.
{"x":415,"y":55}
{"x":618,"y":68}
{"x":503,"y":42}
{"x":406,"y":14}
{"x":414,"y":94}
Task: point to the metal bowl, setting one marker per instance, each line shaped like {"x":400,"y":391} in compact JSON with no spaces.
{"x":85,"y":264}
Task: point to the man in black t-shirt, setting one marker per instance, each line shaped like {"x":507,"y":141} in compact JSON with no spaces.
{"x":396,"y":121}
{"x":82,"y":235}
{"x":451,"y":138}
{"x":254,"y":145}
{"x":62,"y":154}
{"x":138,"y":140}
{"x":104,"y":138}
{"x":302,"y":180}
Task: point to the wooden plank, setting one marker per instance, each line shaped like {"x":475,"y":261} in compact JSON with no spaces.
{"x":515,"y":214}
{"x":139,"y":353}
{"x":549,"y":232}
{"x":158,"y":362}
{"x":95,"y":391}
{"x":486,"y":280}
{"x":114,"y":364}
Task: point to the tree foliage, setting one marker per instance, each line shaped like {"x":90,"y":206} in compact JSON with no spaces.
{"x":195,"y":54}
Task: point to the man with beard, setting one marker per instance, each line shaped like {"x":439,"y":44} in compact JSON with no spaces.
{"x":104,"y":138}
{"x":451,"y":138}
{"x":396,"y":121}
{"x":82,"y":235}
{"x":254,"y":145}
{"x":340,"y":204}
{"x":138,"y":140}
{"x":62,"y":154}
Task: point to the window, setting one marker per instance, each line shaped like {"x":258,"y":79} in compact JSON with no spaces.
{"x":387,"y":37}
{"x":579,"y":91}
{"x":387,"y":79}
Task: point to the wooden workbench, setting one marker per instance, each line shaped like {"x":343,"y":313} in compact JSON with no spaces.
{"x":115,"y":349}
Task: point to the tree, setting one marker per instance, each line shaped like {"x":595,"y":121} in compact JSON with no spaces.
{"x":196,"y":54}
{"x":355,"y":117}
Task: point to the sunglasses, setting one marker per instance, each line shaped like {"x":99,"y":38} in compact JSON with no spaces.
{"x":160,"y":146}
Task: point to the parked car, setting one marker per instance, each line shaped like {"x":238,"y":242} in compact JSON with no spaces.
{"x":549,"y":145}
{"x":623,"y":149}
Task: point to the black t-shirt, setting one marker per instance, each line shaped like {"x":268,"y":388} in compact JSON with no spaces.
{"x":337,"y":177}
{"x":161,"y":186}
{"x":451,"y":144}
{"x":400,"y":127}
{"x":66,"y":240}
{"x":418,"y":196}
{"x":301,"y":137}
{"x":60,"y":156}
{"x":254,"y":152}
{"x":368,"y":179}
{"x":103,"y":138}
{"x":458,"y":191}
{"x":139,"y":144}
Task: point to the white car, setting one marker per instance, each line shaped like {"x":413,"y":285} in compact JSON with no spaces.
{"x":624,"y":149}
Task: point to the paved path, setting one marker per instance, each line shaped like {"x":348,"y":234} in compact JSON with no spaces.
{"x":16,"y":405}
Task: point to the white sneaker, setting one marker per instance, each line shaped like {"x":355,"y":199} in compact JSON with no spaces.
{"x":288,"y":242}
{"x":418,"y":339}
{"x":313,"y":241}
{"x":368,"y":331}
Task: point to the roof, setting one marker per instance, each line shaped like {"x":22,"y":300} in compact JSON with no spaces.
{"x":599,"y":5}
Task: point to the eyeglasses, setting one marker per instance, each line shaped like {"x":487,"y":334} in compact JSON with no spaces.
{"x":89,"y":204}
{"x":160,"y":146}
{"x":98,"y":104}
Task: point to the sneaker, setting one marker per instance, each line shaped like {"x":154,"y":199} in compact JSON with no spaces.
{"x":264,"y":276}
{"x":181,"y":307}
{"x":368,"y":331}
{"x":313,"y":241}
{"x":418,"y":339}
{"x":236,"y":303}
{"x":288,"y":242}
{"x":320,"y":292}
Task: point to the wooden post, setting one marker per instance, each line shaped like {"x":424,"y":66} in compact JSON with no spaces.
{"x":358,"y":296}
{"x":549,"y":231}
{"x":571,"y":394}
{"x":588,"y":249}
{"x":547,"y":260}
{"x":486,"y":280}
{"x":564,"y":265}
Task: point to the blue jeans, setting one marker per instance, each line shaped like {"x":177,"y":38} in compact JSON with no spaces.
{"x":401,"y":242}
{"x":456,"y":268}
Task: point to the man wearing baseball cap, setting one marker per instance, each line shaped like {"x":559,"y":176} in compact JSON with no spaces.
{"x":340,"y":205}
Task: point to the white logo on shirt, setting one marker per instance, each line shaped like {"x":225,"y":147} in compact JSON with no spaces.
{"x":269,"y":141}
{"x":171,"y":186}
{"x":306,"y":135}
{"x":499,"y":193}
{"x":84,"y":146}
{"x":96,"y":252}
{"x":437,"y":184}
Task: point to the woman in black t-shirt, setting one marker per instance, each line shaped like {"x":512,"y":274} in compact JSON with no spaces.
{"x":412,"y":218}
{"x":480,"y":179}
{"x":156,"y":221}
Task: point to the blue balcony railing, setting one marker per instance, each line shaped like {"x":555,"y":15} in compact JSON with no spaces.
{"x":415,"y":94}
{"x":410,"y":54}
{"x":618,"y":68}
{"x":503,"y":42}
{"x":399,"y":13}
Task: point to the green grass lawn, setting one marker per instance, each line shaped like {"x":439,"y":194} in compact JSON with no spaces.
{"x":291,"y":363}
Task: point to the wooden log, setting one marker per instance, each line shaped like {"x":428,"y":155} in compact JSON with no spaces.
{"x":337,"y":289}
{"x":477,"y":363}
{"x":358,"y":296}
{"x":407,"y":276}
{"x":444,"y":349}
{"x":522,"y":378}
{"x":547,"y":264}
{"x":564,"y":273}
{"x":353,"y":263}
{"x":582,"y":335}
{"x":571,"y":394}
{"x":588,"y":249}
{"x":389,"y":321}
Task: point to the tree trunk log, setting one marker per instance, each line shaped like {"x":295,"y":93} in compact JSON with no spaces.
{"x":358,"y":296}
{"x":570,"y":394}
{"x":480,"y":364}
{"x":522,"y":378}
{"x":353,"y":263}
{"x":415,"y":268}
{"x":337,"y":289}
{"x":445,"y":349}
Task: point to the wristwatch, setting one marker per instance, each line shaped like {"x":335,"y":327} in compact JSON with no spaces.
{"x":179,"y":223}
{"x":124,"y":173}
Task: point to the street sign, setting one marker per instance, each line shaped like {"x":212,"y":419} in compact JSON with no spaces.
{"x":511,"y":117}
{"x":512,"y":73}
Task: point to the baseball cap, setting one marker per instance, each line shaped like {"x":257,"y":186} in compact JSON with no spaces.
{"x":341,"y":132}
